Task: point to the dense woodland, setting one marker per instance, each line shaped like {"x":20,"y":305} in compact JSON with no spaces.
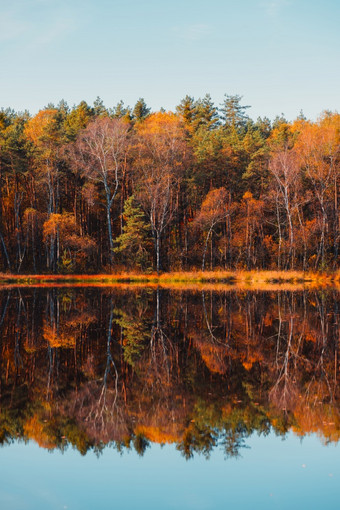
{"x":91,"y":189}
{"x":94,"y":368}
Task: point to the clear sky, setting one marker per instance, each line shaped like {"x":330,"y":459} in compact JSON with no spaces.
{"x":280,"y":55}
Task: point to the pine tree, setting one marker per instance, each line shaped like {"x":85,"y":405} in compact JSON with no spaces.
{"x":120,"y":111}
{"x":140,"y":110}
{"x":99,"y":108}
{"x":186,"y":109}
{"x":233,"y":113}
{"x":77,"y":119}
{"x":205,"y":114}
{"x":133,"y":241}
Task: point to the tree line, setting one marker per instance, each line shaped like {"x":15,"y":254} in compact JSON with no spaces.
{"x":90,"y":188}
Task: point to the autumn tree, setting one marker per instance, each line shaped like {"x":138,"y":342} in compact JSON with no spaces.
{"x":101,"y":152}
{"x":248,"y":226}
{"x":14,"y":170}
{"x":72,"y":250}
{"x":213,"y":211}
{"x":159,"y":163}
{"x":45,"y":136}
{"x":284,"y":167}
{"x":318,"y":150}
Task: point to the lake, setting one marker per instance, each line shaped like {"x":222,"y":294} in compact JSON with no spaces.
{"x":140,"y":397}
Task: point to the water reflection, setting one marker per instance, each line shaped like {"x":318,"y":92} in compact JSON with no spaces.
{"x":125,"y":368}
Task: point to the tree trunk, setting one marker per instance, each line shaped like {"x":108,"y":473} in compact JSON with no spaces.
{"x":5,"y":251}
{"x":280,"y":235}
{"x":109,"y":228}
{"x":336,"y":224}
{"x":206,"y":247}
{"x":291,"y":235}
{"x":157,"y":252}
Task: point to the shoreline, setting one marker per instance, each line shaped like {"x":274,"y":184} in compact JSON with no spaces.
{"x":222,"y":279}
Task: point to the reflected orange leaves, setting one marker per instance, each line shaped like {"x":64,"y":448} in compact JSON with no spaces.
{"x":66,"y":334}
{"x":57,"y":339}
{"x":323,"y":420}
{"x":35,"y":429}
{"x":168,"y":366}
{"x":214,"y":356}
{"x":157,"y":434}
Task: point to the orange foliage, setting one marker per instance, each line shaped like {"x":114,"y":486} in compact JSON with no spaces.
{"x":161,"y":123}
{"x":57,"y":338}
{"x":157,"y":434}
{"x":213,"y":355}
{"x":214,"y":208}
{"x":64,"y":224}
{"x":34,"y":429}
{"x":39,"y":127}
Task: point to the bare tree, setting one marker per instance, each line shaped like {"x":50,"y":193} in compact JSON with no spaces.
{"x":161,"y":157}
{"x":101,"y":152}
{"x":283,"y":166}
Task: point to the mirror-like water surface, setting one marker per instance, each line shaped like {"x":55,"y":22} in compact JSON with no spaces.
{"x":271,"y":474}
{"x":239,"y":388}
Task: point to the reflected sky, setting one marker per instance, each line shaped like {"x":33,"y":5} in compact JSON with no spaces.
{"x":272,"y":473}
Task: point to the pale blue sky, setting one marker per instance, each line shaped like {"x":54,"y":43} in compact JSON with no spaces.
{"x":281,"y":55}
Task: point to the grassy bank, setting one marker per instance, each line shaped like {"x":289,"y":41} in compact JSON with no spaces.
{"x":222,"y":278}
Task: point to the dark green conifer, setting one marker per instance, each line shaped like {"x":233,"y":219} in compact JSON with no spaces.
{"x":140,"y":110}
{"x":133,"y":241}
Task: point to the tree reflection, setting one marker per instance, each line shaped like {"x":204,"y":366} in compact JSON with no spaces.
{"x":202,"y":370}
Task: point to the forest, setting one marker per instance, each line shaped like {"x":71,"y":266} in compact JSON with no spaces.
{"x":93,"y":189}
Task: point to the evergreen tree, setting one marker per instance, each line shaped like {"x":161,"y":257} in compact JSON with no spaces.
{"x":120,"y":111}
{"x":263,"y":126}
{"x":233,"y":114}
{"x":63,"y":107}
{"x":205,"y":114}
{"x":78,"y":119}
{"x":186,"y":109}
{"x":133,"y":241}
{"x":140,"y":110}
{"x":279,"y":120}
{"x":99,"y":108}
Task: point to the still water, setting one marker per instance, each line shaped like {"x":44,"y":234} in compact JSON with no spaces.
{"x":157,"y":398}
